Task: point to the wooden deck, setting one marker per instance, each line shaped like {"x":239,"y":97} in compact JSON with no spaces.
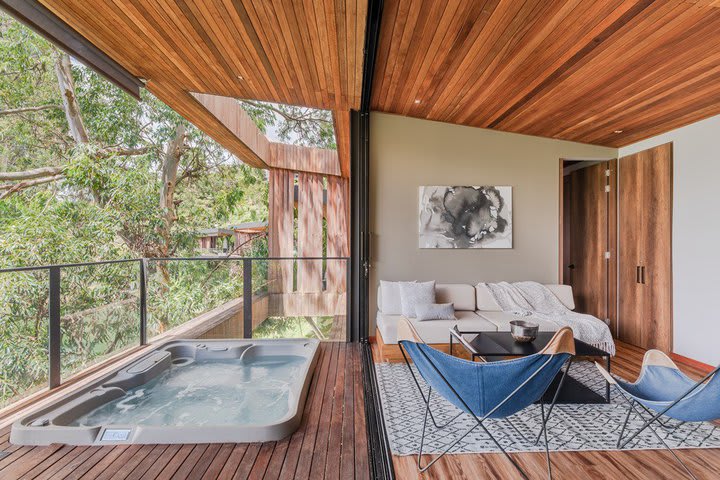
{"x":330,"y":443}
{"x":653,"y":464}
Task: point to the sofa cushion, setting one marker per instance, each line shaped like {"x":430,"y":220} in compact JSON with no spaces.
{"x":485,"y":300}
{"x":389,"y":298}
{"x":433,"y":331}
{"x":414,"y":293}
{"x":459,"y":294}
{"x":502,"y":320}
{"x":434,"y":311}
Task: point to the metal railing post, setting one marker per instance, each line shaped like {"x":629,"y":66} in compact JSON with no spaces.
{"x":349,"y":327}
{"x":54,"y":331}
{"x":247,"y":297}
{"x":143,"y":301}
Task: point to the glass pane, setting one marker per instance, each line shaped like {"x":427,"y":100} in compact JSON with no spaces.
{"x":24,"y":364}
{"x":100,"y":313}
{"x":188,"y":298}
{"x":314,"y":307}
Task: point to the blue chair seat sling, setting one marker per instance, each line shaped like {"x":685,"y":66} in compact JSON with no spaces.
{"x":494,"y":390}
{"x":663,"y":391}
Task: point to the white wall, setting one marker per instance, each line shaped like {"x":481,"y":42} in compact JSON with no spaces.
{"x":406,"y":153}
{"x":696,"y":236}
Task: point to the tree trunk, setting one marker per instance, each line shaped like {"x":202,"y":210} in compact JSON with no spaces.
{"x":173,"y":154}
{"x":63,"y":70}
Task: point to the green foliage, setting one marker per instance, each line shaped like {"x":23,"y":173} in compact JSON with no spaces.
{"x":292,"y":124}
{"x":27,"y":78}
{"x":38,"y":228}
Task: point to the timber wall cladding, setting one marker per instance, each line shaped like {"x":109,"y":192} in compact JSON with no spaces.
{"x":310,"y":232}
{"x":311,"y":209}
{"x":280,"y":226}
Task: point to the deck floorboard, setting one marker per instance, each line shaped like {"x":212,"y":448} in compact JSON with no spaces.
{"x":329,"y":423}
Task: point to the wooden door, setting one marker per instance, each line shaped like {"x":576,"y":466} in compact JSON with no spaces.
{"x":630,"y":231}
{"x":656,"y":266}
{"x":587,"y":265}
{"x":645,"y":251}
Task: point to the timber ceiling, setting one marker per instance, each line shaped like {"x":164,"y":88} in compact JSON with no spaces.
{"x":607,"y":72}
{"x":307,"y":53}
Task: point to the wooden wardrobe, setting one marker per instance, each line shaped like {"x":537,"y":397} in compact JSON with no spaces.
{"x":645,"y":248}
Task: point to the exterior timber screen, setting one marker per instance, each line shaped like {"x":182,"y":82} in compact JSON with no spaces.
{"x":309,"y":220}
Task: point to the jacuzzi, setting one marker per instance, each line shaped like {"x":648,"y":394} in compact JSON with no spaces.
{"x":185,"y":391}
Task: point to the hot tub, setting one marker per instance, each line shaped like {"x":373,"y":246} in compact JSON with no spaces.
{"x":185,"y":391}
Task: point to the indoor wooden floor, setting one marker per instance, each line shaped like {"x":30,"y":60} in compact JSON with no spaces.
{"x":330,"y":443}
{"x":576,"y":465}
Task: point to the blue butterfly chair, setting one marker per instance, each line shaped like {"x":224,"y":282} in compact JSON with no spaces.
{"x":485,"y":390}
{"x":662,"y":390}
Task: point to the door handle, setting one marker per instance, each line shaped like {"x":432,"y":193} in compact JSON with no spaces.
{"x":642,"y":274}
{"x":637,"y":274}
{"x":571,"y":266}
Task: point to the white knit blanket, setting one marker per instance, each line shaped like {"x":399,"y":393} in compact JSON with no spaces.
{"x":534,"y":300}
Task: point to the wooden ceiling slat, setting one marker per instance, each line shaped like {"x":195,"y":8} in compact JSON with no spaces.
{"x":691,"y":95}
{"x":465,"y":48}
{"x":303,"y":61}
{"x":177,"y":50}
{"x":422,"y":36}
{"x":434,"y":43}
{"x":649,"y":84}
{"x":531,"y":13}
{"x":567,"y":69}
{"x":258,"y":50}
{"x":280,"y":37}
{"x":318,"y":39}
{"x":526,"y":58}
{"x":351,"y":7}
{"x":387,"y":26}
{"x":610,"y":119}
{"x":340,"y":15}
{"x":331,"y":28}
{"x":475,"y":17}
{"x":607,"y":54}
{"x":211,"y":17}
{"x":398,"y":26}
{"x":500,"y":26}
{"x":664,"y":69}
{"x":157,"y":19}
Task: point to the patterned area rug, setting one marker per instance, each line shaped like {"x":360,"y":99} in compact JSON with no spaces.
{"x":570,"y":428}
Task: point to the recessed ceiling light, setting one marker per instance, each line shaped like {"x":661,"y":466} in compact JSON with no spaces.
{"x":417,"y":100}
{"x":240,"y":77}
{"x":617,"y":131}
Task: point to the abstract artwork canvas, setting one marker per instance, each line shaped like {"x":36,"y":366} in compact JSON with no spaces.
{"x":465,"y":217}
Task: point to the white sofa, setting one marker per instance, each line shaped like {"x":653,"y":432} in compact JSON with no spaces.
{"x":475,"y":309}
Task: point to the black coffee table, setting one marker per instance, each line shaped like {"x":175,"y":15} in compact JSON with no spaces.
{"x":493,"y":346}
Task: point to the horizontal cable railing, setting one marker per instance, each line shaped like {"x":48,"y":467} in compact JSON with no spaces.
{"x":79,"y":314}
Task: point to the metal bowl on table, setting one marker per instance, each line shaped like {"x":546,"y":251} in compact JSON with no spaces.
{"x":523,"y":331}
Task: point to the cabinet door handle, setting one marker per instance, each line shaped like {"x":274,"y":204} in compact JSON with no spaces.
{"x":642,"y":274}
{"x":637,"y":274}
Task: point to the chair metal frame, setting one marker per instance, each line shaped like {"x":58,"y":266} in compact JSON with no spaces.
{"x":655,"y":418}
{"x":480,"y":421}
